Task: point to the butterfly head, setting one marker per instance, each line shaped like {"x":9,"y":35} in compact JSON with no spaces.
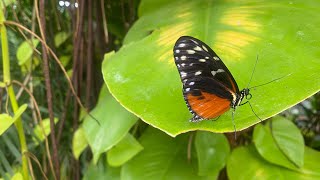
{"x":246,"y":93}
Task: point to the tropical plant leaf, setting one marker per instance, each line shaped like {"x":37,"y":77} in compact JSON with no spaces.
{"x":115,"y":122}
{"x":122,"y":152}
{"x":5,"y":122}
{"x":38,"y":132}
{"x":142,"y":75}
{"x":289,"y":139}
{"x":60,"y":38}
{"x":79,"y":142}
{"x":253,"y":166}
{"x":163,"y":157}
{"x":268,"y":149}
{"x":25,"y":50}
{"x":212,"y":152}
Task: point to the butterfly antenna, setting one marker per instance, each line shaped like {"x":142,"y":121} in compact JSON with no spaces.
{"x":254,"y":112}
{"x":254,"y":68}
{"x":234,"y":125}
{"x":270,"y":81}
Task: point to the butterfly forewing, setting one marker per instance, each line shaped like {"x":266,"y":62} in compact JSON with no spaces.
{"x":208,"y":86}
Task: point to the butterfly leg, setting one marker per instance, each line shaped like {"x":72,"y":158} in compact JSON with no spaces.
{"x":215,"y":119}
{"x":196,"y":118}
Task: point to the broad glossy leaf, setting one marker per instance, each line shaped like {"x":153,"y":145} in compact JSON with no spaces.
{"x":163,"y":157}
{"x":142,"y":75}
{"x":5,"y":122}
{"x":38,"y":131}
{"x":268,"y":149}
{"x":245,"y":163}
{"x":115,"y":122}
{"x":79,"y":142}
{"x":288,"y":139}
{"x":212,"y":152}
{"x":122,"y":152}
{"x":25,"y":50}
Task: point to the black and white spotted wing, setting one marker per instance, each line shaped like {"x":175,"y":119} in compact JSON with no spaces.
{"x":209,"y":88}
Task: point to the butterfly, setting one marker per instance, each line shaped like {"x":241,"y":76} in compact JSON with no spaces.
{"x":209,"y":88}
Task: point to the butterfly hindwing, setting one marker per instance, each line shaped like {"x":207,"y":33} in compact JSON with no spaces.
{"x":208,"y":86}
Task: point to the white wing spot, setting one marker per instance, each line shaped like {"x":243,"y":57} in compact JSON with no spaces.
{"x":194,"y":41}
{"x":215,"y":72}
{"x":191,"y":64}
{"x":191,"y":51}
{"x":216,"y":58}
{"x":182,"y":45}
{"x":197,"y":48}
{"x":177,"y":58}
{"x":187,"y":89}
{"x":197,"y":73}
{"x":183,"y":58}
{"x":185,"y":80}
{"x":183,"y":74}
{"x":202,"y":60}
{"x":178,"y":65}
{"x":203,"y":47}
{"x":207,"y":57}
{"x":183,"y":64}
{"x":191,"y":83}
{"x":177,"y":51}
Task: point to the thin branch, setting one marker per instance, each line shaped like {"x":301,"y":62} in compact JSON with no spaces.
{"x":42,"y":27}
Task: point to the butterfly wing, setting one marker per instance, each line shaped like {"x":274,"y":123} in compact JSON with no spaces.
{"x":208,"y":86}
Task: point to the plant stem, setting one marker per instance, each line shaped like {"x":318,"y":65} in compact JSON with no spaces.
{"x":12,"y":96}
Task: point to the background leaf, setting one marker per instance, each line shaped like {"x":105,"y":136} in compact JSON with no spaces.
{"x":60,"y":38}
{"x":115,"y":122}
{"x":38,"y":132}
{"x":25,"y":50}
{"x":254,"y":167}
{"x":142,"y":76}
{"x":79,"y":142}
{"x":289,"y":139}
{"x":163,"y":157}
{"x":5,"y":122}
{"x":212,"y":152}
{"x":268,"y":149}
{"x":127,"y":148}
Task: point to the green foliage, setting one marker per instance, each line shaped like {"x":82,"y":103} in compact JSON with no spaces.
{"x":41,"y":131}
{"x":212,"y":152}
{"x":246,"y":163}
{"x":127,"y":148}
{"x":142,"y":82}
{"x":143,"y":78}
{"x":115,"y":122}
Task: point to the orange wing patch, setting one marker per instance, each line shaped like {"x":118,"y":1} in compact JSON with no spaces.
{"x":208,"y":106}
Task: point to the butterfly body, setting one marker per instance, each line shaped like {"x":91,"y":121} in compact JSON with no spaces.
{"x":209,"y":88}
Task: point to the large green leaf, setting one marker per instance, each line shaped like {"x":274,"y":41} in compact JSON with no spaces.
{"x":245,"y":163}
{"x":163,"y":157}
{"x":142,"y":75}
{"x":115,"y":122}
{"x":212,"y":150}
